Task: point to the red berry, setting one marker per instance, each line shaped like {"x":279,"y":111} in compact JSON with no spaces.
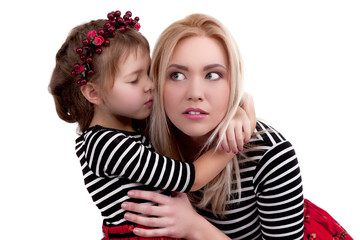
{"x":85,"y":41}
{"x":82,"y":57}
{"x":98,"y":50}
{"x":110,"y":15}
{"x":79,"y":50}
{"x":101,"y":31}
{"x":128,"y":13}
{"x":90,"y":72}
{"x":113,"y":22}
{"x":111,"y":29}
{"x":81,"y":82}
{"x":106,"y":42}
{"x":107,"y":24}
{"x":73,"y":73}
{"x":122,"y":29}
{"x":117,"y":13}
{"x":137,"y":19}
{"x":88,"y":60}
{"x":76,"y":66}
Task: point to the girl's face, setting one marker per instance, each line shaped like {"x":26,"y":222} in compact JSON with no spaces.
{"x":197,"y":89}
{"x":131,"y":95}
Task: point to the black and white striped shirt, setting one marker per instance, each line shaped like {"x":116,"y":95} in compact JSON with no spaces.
{"x":272,"y":203}
{"x":114,"y":162}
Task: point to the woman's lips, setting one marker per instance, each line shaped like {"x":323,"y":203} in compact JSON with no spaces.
{"x":195,"y":113}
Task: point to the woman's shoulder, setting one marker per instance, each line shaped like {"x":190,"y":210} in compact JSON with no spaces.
{"x":265,"y":141}
{"x":265,"y":134}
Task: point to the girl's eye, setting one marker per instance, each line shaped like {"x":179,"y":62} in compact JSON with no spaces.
{"x":213,"y":76}
{"x":177,"y":76}
{"x":134,"y":81}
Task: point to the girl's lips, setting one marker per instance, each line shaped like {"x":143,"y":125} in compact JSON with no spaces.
{"x":195,"y":113}
{"x":149,"y":103}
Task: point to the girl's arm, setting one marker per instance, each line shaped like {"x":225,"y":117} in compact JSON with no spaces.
{"x":173,"y":217}
{"x":240,"y":127}
{"x":111,"y":153}
{"x":237,"y":134}
{"x":208,"y":166}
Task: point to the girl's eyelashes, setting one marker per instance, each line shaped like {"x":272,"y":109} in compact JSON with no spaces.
{"x":134,"y":81}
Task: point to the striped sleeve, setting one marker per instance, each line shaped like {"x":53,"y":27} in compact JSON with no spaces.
{"x":278,"y":189}
{"x":114,"y":154}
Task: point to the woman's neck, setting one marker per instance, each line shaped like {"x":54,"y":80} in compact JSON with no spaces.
{"x":191,"y":146}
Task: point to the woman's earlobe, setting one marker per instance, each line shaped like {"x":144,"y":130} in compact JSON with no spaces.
{"x":91,"y":93}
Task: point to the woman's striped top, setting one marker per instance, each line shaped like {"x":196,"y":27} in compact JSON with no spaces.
{"x":114,"y":162}
{"x":271,"y":204}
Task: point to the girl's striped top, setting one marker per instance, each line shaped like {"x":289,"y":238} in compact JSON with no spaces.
{"x":114,"y":162}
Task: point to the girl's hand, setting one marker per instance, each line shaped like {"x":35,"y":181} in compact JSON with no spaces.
{"x":173,"y":217}
{"x":240,"y":127}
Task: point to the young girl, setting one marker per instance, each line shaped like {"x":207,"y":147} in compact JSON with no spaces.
{"x":101,"y":82}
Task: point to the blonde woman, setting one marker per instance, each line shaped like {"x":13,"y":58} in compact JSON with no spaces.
{"x":197,"y":70}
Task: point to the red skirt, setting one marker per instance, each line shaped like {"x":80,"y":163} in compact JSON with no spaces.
{"x":319,"y":225}
{"x":125,"y":232}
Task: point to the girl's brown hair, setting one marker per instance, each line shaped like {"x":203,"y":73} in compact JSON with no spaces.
{"x":71,"y":105}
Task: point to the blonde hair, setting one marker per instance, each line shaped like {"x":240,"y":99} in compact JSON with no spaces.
{"x":218,"y":190}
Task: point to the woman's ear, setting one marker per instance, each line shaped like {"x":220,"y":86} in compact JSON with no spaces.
{"x":91,"y":92}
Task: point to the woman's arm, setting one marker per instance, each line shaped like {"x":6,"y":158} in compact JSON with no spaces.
{"x":174,"y":217}
{"x":278,"y":190}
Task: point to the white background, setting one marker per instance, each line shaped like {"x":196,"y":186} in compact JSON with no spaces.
{"x":302,"y":66}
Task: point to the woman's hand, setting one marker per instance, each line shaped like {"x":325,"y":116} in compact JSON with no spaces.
{"x":240,"y":127}
{"x":173,"y":217}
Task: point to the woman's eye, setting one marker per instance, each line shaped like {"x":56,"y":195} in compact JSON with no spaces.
{"x":213,"y":76}
{"x":177,"y":76}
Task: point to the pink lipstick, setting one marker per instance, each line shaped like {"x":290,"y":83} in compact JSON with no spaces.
{"x":195,"y":113}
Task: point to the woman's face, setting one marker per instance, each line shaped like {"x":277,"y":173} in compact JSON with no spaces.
{"x":197,"y":89}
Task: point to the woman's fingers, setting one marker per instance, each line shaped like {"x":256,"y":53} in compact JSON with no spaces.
{"x":150,"y":196}
{"x":156,"y":222}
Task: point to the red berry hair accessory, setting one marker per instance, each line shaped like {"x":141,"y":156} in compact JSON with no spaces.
{"x":100,"y":38}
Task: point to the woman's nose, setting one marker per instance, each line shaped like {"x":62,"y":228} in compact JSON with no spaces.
{"x":195,"y":91}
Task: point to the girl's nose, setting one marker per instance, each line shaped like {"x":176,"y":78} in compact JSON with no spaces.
{"x":149,"y":85}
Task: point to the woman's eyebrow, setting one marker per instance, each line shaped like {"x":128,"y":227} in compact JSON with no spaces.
{"x":178,"y":67}
{"x":207,"y":67}
{"x":210,"y":66}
